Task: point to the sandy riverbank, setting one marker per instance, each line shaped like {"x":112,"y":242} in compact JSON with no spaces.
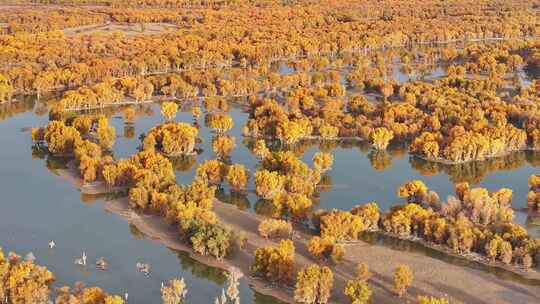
{"x":530,"y":274}
{"x":71,"y":173}
{"x":432,"y":276}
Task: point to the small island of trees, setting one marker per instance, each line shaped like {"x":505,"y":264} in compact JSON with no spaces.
{"x":246,"y":89}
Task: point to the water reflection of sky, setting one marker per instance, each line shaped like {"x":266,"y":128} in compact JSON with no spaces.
{"x":359,"y":175}
{"x":39,"y":206}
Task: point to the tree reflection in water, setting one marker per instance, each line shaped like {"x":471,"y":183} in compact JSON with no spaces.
{"x":475,"y":171}
{"x":183,"y":163}
{"x":380,"y":160}
{"x":11,"y":109}
{"x":238,"y":199}
{"x":411,"y":246}
{"x":129,"y":132}
{"x":266,"y":208}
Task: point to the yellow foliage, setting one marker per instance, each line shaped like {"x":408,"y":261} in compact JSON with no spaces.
{"x":268,"y":184}
{"x":221,"y":123}
{"x":23,"y":281}
{"x":275,"y":264}
{"x":358,"y":291}
{"x":403,"y":277}
{"x":237,"y":177}
{"x":274,"y":228}
{"x":414,"y":190}
{"x":211,"y":171}
{"x":380,"y":138}
{"x":169,"y":110}
{"x":314,"y":284}
{"x":369,"y":213}
{"x":172,"y":138}
{"x":328,"y":131}
{"x":106,"y":133}
{"x":291,"y":131}
{"x":326,"y":247}
{"x":294,"y":205}
{"x":61,"y":139}
{"x":341,"y":225}
{"x":223,"y":145}
{"x":323,"y":161}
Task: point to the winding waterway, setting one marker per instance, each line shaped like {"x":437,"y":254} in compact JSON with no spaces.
{"x":39,"y":206}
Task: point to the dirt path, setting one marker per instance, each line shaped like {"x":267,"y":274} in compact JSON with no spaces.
{"x":432,"y":276}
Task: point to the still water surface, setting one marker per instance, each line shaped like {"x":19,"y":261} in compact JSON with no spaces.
{"x":38,"y":206}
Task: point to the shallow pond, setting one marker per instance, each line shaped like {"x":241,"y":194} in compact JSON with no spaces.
{"x":39,"y":206}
